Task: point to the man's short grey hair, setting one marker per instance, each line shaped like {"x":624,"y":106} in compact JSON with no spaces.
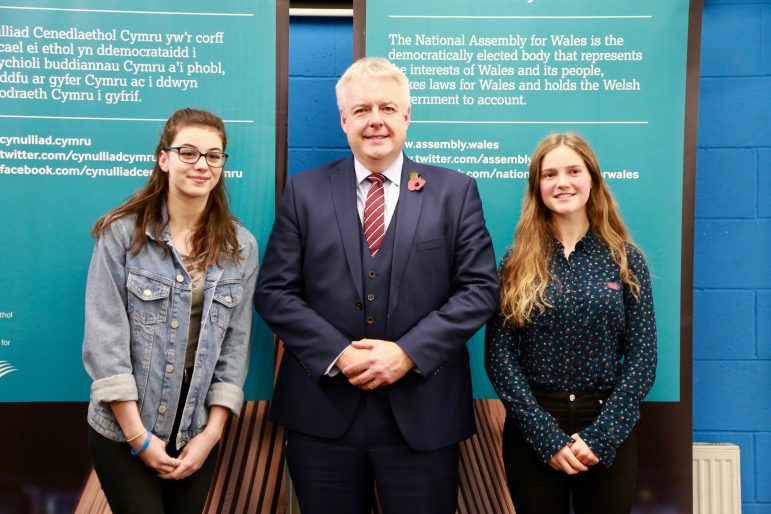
{"x":372,"y":67}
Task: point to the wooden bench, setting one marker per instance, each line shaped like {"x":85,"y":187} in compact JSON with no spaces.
{"x":251,"y":478}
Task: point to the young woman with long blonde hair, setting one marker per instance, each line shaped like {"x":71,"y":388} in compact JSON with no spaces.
{"x":572,"y":349}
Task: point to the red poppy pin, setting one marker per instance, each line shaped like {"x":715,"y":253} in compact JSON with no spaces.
{"x":416,"y":182}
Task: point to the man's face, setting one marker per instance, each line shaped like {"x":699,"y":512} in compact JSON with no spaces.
{"x":375,"y":120}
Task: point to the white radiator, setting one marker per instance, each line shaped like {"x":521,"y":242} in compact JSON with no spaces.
{"x":716,"y":479}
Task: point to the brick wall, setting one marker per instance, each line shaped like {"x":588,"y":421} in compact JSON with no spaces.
{"x":320,"y":49}
{"x":732,"y":268}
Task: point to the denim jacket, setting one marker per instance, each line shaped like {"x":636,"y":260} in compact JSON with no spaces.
{"x":137,"y":317}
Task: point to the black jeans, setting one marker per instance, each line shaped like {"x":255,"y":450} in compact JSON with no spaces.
{"x":536,"y":488}
{"x":133,"y":488}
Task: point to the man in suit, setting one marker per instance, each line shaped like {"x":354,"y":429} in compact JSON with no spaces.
{"x":376,"y":274}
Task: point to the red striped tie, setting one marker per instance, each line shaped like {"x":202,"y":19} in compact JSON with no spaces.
{"x":374,"y":213}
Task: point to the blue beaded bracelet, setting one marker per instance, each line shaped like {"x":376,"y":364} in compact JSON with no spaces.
{"x":144,"y":446}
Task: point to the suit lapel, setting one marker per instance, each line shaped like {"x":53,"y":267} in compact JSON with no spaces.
{"x":343,"y":183}
{"x":409,"y":206}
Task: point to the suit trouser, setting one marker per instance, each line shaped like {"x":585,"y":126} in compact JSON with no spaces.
{"x":536,"y":488}
{"x":337,"y":475}
{"x":131,"y":487}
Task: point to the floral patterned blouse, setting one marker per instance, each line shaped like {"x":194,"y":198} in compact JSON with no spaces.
{"x":597,"y":337}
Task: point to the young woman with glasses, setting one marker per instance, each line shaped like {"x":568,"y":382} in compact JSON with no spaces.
{"x":167,"y":328}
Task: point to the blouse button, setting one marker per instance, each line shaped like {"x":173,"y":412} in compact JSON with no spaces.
{"x":371,"y":297}
{"x":358,"y":306}
{"x":370,"y":320}
{"x":372,"y":274}
{"x":572,"y":397}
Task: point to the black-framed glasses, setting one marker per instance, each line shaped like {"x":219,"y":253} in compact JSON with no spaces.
{"x":190,"y":155}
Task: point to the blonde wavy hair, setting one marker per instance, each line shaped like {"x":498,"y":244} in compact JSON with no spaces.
{"x":525,"y":274}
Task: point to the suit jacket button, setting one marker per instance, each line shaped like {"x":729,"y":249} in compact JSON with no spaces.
{"x":371,"y":297}
{"x":358,"y":306}
{"x":370,"y":320}
{"x":372,"y":274}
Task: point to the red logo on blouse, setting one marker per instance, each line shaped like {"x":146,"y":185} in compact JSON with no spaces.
{"x":614,"y":285}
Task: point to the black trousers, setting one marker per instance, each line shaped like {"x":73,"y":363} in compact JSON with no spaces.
{"x":339,"y":475}
{"x":133,"y":488}
{"x":536,"y":488}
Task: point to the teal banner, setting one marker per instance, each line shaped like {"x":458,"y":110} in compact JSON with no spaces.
{"x":491,"y":79}
{"x":85,"y":88}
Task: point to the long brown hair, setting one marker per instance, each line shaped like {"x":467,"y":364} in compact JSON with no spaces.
{"x":525,"y":274}
{"x":215,"y":235}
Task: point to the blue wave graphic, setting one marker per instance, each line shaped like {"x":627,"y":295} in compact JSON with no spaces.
{"x":5,"y":368}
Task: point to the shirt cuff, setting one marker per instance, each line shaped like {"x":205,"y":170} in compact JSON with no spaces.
{"x":332,"y":369}
{"x":117,"y":388}
{"x":226,"y":395}
{"x":594,"y":439}
{"x":551,"y":447}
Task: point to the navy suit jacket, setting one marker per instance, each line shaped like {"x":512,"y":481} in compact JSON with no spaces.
{"x":444,"y":287}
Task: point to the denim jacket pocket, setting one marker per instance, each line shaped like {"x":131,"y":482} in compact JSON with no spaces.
{"x":149,"y":302}
{"x":148,"y":307}
{"x":227,"y":295}
{"x":103,"y":416}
